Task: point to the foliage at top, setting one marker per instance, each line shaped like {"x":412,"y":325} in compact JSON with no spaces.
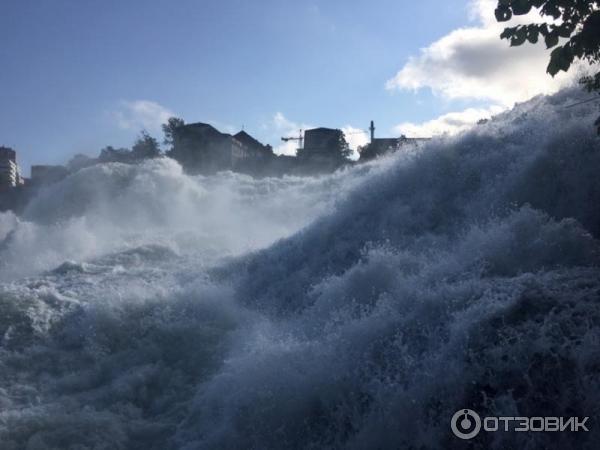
{"x":169,"y":129}
{"x":145,"y":146}
{"x":575,"y":26}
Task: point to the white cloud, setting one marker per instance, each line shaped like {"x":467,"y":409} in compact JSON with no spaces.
{"x":355,"y":137}
{"x":474,"y":63}
{"x":282,"y":123}
{"x":141,"y":114}
{"x":450,"y":123}
{"x":283,"y":127}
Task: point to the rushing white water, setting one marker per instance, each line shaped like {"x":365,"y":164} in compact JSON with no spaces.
{"x":142,"y":308}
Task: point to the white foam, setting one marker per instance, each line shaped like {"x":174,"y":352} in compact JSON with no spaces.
{"x":357,"y":310}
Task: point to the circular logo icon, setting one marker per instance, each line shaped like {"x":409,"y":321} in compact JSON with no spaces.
{"x":465,"y":424}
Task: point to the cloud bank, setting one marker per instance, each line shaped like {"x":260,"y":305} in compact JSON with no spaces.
{"x":141,"y":114}
{"x":473,"y":63}
{"x":356,"y":137}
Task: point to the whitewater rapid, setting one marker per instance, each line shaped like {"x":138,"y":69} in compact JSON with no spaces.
{"x":141,"y":308}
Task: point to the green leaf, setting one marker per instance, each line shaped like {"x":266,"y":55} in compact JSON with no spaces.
{"x":565,"y":30}
{"x":590,"y":34}
{"x":532,"y":35}
{"x":503,"y":14}
{"x":520,"y":7}
{"x":519,"y":37}
{"x":560,"y":59}
{"x":507,"y":33}
{"x":551,"y":39}
{"x":550,"y":9}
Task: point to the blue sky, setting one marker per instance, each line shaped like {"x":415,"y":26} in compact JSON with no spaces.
{"x":80,"y":75}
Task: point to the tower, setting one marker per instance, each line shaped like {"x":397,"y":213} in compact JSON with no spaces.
{"x":372,"y":130}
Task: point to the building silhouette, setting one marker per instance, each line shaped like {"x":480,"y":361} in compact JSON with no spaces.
{"x":9,"y":170}
{"x":382,"y":146}
{"x":201,"y":148}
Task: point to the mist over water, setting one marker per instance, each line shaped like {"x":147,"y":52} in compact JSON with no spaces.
{"x":143,"y":308}
{"x":115,"y":207}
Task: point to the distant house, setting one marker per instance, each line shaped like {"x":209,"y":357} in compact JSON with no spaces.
{"x":41,"y":175}
{"x":381,"y":146}
{"x":9,"y":170}
{"x":320,"y":142}
{"x":323,"y":144}
{"x":201,"y":148}
{"x":255,"y":148}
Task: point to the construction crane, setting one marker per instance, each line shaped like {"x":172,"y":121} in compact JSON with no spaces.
{"x":300,"y":139}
